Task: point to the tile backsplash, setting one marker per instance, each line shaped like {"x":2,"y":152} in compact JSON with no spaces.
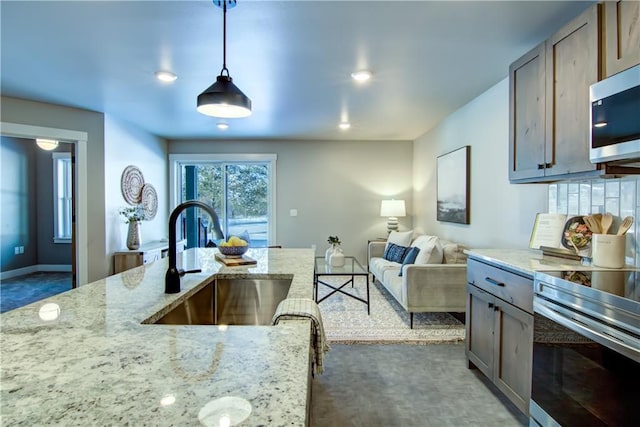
{"x":620,"y":196}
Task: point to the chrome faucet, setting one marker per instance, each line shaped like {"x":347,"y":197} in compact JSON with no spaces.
{"x":172,"y":278}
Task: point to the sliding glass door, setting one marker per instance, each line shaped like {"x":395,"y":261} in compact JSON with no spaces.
{"x":241,"y":190}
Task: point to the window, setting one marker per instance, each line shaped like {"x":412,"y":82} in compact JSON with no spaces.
{"x":62,"y":196}
{"x":241,"y":189}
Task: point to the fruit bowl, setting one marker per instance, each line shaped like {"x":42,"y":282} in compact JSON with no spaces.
{"x":233,"y":251}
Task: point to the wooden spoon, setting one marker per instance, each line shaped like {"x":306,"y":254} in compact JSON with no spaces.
{"x":592,"y":223}
{"x":605,"y":224}
{"x":625,"y":225}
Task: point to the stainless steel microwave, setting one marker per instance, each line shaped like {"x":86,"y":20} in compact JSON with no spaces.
{"x":615,"y":118}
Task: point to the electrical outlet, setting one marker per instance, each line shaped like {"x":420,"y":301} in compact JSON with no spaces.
{"x":16,"y":250}
{"x":313,"y":247}
{"x":293,"y":212}
{"x":21,"y":249}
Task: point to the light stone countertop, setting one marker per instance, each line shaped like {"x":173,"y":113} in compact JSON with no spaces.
{"x":526,"y":261}
{"x":96,"y":364}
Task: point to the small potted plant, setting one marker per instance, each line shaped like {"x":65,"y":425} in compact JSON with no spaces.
{"x":133,"y":216}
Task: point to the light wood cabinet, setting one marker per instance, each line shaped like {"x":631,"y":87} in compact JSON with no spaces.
{"x":621,"y":35}
{"x":572,"y":65}
{"x":500,"y":334}
{"x":549,"y":103}
{"x":527,"y":113}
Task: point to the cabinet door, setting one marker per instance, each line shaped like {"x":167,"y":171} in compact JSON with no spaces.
{"x":622,"y":35}
{"x":513,"y":353}
{"x":573,"y":64}
{"x":479,"y":326}
{"x":527,"y":115}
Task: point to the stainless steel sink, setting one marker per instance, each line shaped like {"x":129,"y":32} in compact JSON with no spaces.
{"x":230,"y":302}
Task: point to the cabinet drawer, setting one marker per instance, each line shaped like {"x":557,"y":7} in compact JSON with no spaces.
{"x":513,"y":288}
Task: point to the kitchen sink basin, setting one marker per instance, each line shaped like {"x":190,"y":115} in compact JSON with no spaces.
{"x":230,"y":302}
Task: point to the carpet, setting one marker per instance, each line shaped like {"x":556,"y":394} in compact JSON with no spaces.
{"x":346,"y":321}
{"x":20,"y":291}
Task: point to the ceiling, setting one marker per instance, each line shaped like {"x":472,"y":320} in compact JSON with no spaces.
{"x":292,"y":58}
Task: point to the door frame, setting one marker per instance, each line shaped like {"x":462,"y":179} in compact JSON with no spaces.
{"x":79,"y":139}
{"x":176,"y":160}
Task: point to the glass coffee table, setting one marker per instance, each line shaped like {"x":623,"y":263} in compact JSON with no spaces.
{"x":351,"y":268}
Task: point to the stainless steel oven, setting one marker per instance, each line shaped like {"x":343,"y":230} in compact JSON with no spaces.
{"x":586,"y":351}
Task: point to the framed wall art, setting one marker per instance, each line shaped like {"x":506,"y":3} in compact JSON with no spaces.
{"x":453,"y":186}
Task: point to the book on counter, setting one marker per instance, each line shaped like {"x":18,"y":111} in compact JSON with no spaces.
{"x":561,"y":235}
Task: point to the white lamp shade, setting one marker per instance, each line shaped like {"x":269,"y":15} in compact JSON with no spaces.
{"x":392,"y":208}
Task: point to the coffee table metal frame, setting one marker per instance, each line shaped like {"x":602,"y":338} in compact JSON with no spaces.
{"x":351,"y":268}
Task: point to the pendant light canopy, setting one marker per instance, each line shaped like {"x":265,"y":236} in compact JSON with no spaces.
{"x":223,"y":98}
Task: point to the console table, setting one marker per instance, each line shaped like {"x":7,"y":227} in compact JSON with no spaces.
{"x":146,"y":253}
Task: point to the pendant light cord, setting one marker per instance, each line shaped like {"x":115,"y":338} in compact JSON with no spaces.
{"x":224,"y":38}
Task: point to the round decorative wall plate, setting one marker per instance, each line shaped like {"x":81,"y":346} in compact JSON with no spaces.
{"x":149,"y":201}
{"x":131,"y":185}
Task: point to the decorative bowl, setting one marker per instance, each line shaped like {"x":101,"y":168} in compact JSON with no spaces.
{"x":233,"y":251}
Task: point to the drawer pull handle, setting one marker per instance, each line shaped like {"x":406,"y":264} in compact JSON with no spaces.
{"x":493,"y":281}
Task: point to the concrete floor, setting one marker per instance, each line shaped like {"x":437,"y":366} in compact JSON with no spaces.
{"x":406,"y":385}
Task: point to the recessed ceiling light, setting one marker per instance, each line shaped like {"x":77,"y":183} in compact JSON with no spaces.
{"x":166,"y":76}
{"x":344,"y":125}
{"x":361,"y":76}
{"x":222,"y":126}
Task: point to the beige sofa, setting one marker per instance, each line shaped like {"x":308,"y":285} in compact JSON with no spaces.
{"x":435,"y":283}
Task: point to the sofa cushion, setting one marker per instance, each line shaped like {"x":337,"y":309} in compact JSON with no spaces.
{"x":409,"y":257}
{"x":402,"y":238}
{"x":430,"y":250}
{"x":378,"y":266}
{"x":394,"y":252}
{"x":393,"y":284}
{"x":453,"y":253}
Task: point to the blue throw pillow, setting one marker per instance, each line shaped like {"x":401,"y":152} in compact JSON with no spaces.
{"x":410,"y":257}
{"x":394,"y":252}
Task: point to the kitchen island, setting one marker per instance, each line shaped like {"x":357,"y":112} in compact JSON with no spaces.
{"x":85,"y":358}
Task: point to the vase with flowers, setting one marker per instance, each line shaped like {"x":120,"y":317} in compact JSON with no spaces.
{"x":133,"y":215}
{"x":334,"y":256}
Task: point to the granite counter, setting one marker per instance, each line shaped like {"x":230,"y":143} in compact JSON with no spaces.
{"x":84,"y":358}
{"x":526,"y":261}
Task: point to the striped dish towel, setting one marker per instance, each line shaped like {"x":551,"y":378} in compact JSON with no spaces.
{"x":295,"y":308}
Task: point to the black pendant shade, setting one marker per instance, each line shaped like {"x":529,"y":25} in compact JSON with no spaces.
{"x":223,"y":98}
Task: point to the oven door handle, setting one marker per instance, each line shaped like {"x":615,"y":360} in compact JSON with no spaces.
{"x":620,"y":342}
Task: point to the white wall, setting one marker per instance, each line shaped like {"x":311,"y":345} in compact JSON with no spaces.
{"x":336,"y":186}
{"x":502,"y":214}
{"x":126,"y":144}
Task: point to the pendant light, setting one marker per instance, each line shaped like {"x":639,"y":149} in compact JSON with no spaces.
{"x":223,"y":98}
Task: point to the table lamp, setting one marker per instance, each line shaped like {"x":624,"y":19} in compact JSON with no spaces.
{"x":392,"y":209}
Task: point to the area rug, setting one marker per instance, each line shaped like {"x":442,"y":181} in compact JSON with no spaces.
{"x":346,"y":321}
